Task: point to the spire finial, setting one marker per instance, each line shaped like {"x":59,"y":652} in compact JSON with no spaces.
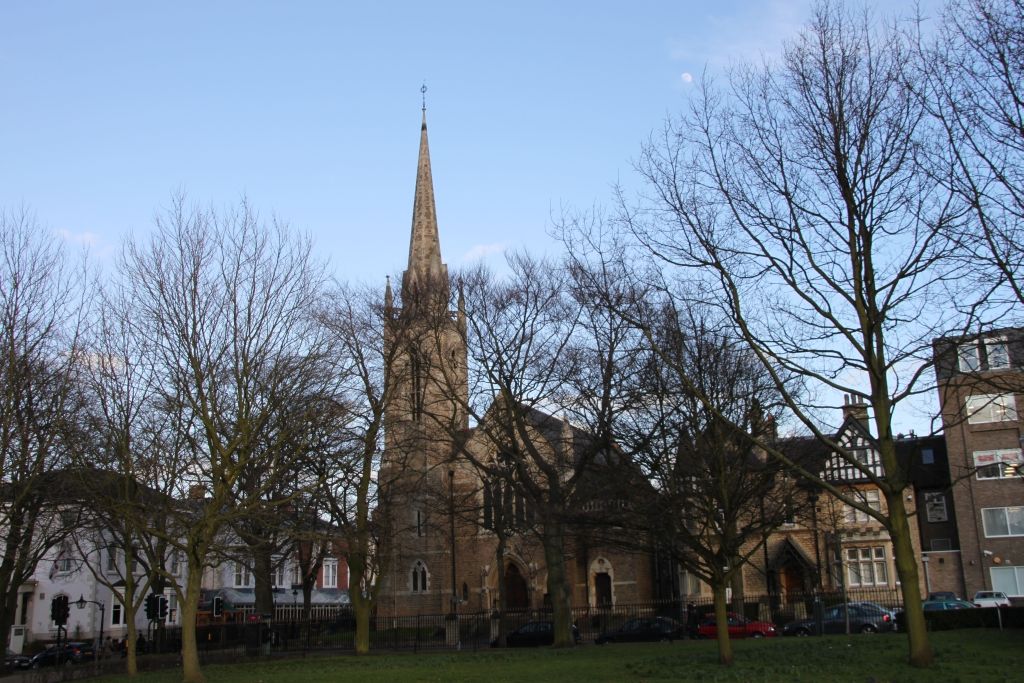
{"x":423,"y":92}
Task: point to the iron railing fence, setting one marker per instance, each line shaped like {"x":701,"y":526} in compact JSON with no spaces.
{"x":335,"y":630}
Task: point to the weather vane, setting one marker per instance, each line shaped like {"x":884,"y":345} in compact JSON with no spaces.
{"x":423,"y":91}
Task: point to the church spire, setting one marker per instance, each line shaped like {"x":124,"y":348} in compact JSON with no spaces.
{"x":425,"y":270}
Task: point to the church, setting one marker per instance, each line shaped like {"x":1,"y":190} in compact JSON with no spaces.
{"x":442,"y":547}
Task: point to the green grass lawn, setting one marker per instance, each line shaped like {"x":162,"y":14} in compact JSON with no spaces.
{"x":962,"y":657}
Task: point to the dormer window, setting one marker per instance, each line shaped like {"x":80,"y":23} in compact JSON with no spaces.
{"x":990,"y":353}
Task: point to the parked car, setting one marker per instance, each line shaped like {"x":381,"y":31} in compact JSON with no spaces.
{"x":74,"y":652}
{"x":939,"y":605}
{"x":739,"y":627}
{"x":534,"y":634}
{"x":875,"y":608}
{"x":644,"y":629}
{"x":864,"y":618}
{"x":943,"y":595}
{"x":991,"y":599}
{"x":14,"y":662}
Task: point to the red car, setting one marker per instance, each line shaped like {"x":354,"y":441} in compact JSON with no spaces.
{"x":739,"y":627}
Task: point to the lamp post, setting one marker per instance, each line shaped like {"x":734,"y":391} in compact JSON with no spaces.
{"x":82,"y":602}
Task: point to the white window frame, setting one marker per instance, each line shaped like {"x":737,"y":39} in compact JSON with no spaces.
{"x":1009,"y":580}
{"x":989,"y":408}
{"x":1006,"y":517}
{"x":993,"y":342}
{"x":867,"y":566}
{"x":242,"y":575}
{"x":1007,"y":463}
{"x":935,"y":507}
{"x":176,"y":563}
{"x":873,"y":499}
{"x":117,"y":613}
{"x":110,"y":560}
{"x":968,"y":357}
{"x":279,"y":573}
{"x":330,"y":570}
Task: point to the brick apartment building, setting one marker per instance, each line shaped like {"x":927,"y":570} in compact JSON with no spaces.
{"x":980,"y":382}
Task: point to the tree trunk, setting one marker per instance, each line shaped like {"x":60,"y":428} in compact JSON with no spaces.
{"x":8,"y":606}
{"x":190,"y":669}
{"x":502,"y":606}
{"x":737,"y":585}
{"x":10,"y":569}
{"x":558,"y":586}
{"x":130,"y":598}
{"x":262,"y":571}
{"x":361,"y":604}
{"x":131,"y":661}
{"x":361,"y":608}
{"x":722,"y":623}
{"x":307,"y":603}
{"x":921,"y":653}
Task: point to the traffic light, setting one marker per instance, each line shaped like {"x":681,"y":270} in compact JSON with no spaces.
{"x":59,"y":610}
{"x":218,"y":606}
{"x":152,"y":606}
{"x":162,"y":611}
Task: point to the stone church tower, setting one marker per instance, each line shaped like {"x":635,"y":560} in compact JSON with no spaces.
{"x":425,"y":341}
{"x":438,"y":544}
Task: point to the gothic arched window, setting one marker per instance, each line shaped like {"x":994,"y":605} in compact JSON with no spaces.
{"x":417,"y":376}
{"x":419,"y":577}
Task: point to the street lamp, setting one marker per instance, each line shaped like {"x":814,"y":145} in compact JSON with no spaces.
{"x":82,"y":602}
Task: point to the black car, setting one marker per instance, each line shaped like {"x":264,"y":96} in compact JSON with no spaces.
{"x":69,"y":653}
{"x":535,"y":634}
{"x":644,"y":629}
{"x":865,"y":617}
{"x":13,"y":662}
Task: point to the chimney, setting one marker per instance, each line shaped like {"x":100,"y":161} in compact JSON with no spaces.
{"x":856,"y":407}
{"x":197,"y":492}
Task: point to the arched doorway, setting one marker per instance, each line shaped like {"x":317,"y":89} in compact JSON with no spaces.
{"x":517,"y":596}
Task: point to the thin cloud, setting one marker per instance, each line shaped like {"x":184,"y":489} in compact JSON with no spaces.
{"x":482,"y":251}
{"x":88,"y":239}
{"x":687,"y":77}
{"x":746,"y":34}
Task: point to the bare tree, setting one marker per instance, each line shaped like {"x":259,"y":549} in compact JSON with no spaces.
{"x":709,"y":407}
{"x":43,"y":307}
{"x":972,"y":78}
{"x":224,"y":305}
{"x":539,"y":392}
{"x":125,"y":496}
{"x":796,"y":199}
{"x":367,"y":340}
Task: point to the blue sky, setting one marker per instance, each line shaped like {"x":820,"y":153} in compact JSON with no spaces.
{"x":312,"y":109}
